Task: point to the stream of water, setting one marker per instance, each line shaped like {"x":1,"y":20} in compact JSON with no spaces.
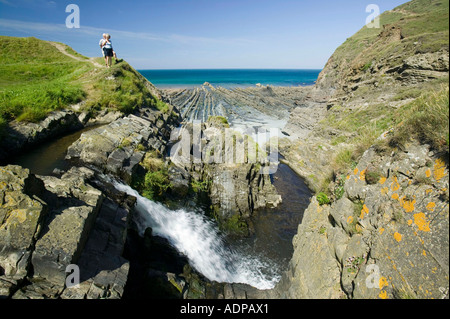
{"x":198,"y":238}
{"x":44,"y":158}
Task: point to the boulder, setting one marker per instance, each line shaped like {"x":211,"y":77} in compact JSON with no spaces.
{"x":313,"y":270}
{"x":21,"y":219}
{"x":73,"y":209}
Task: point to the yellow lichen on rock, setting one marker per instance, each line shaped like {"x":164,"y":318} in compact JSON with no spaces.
{"x":350,"y":220}
{"x":439,"y":169}
{"x":383,"y":282}
{"x":364,"y":211}
{"x":395,"y":186}
{"x":383,"y":295}
{"x":398,"y":237}
{"x":362,"y":175}
{"x":421,"y":221}
{"x":431,"y":206}
{"x":408,"y":205}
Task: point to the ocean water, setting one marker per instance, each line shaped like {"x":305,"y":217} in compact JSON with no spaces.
{"x":230,"y":77}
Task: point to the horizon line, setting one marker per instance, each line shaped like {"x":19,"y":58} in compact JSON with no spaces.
{"x":216,"y":68}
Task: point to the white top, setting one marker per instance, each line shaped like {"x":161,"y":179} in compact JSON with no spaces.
{"x":108,"y":44}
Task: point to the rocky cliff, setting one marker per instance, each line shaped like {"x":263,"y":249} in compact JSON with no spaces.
{"x":387,"y":237}
{"x":378,"y":227}
{"x":49,"y":223}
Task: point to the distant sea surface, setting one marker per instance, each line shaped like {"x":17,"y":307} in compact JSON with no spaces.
{"x":230,"y":77}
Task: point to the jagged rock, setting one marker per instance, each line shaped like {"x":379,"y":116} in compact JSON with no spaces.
{"x":235,"y":188}
{"x":66,"y":222}
{"x":397,"y":223}
{"x":436,"y":61}
{"x":303,"y":119}
{"x":21,"y":217}
{"x":313,"y":271}
{"x":119,"y":147}
{"x":22,"y":135}
{"x":74,"y":207}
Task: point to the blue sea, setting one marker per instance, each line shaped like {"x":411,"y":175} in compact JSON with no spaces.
{"x":230,"y":77}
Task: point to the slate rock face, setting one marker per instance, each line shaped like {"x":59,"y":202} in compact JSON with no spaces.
{"x":119,"y":147}
{"x":383,"y":239}
{"x":68,"y":224}
{"x":21,"y":220}
{"x":49,"y":223}
{"x":235,"y":184}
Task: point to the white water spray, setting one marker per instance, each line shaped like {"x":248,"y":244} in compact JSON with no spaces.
{"x":198,"y":239}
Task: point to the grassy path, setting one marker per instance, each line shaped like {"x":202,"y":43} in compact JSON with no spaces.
{"x":62,"y":48}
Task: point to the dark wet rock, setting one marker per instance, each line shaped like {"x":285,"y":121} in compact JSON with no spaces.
{"x":21,"y":135}
{"x":235,"y":190}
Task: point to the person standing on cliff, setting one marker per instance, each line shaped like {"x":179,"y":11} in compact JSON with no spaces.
{"x":101,"y":43}
{"x":108,"y":50}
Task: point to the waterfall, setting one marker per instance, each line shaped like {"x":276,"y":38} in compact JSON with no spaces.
{"x":198,"y":238}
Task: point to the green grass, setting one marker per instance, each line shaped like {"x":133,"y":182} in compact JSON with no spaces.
{"x":36,"y":82}
{"x":361,"y":127}
{"x":122,"y":88}
{"x":17,"y":51}
{"x":426,"y":119}
{"x":220,"y":120}
{"x":322,"y":199}
{"x":155,"y":182}
{"x":200,"y":186}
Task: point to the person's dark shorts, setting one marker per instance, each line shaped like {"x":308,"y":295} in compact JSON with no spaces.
{"x":108,"y":52}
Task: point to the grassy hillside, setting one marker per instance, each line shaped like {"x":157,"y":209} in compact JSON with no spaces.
{"x":37,"y":78}
{"x":378,"y":55}
{"x":393,"y":79}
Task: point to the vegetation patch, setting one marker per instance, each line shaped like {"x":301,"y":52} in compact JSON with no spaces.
{"x":235,"y":225}
{"x":222,"y":121}
{"x":155,"y":182}
{"x":322,"y":199}
{"x":200,"y":186}
{"x":425,"y":119}
{"x":36,"y":82}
